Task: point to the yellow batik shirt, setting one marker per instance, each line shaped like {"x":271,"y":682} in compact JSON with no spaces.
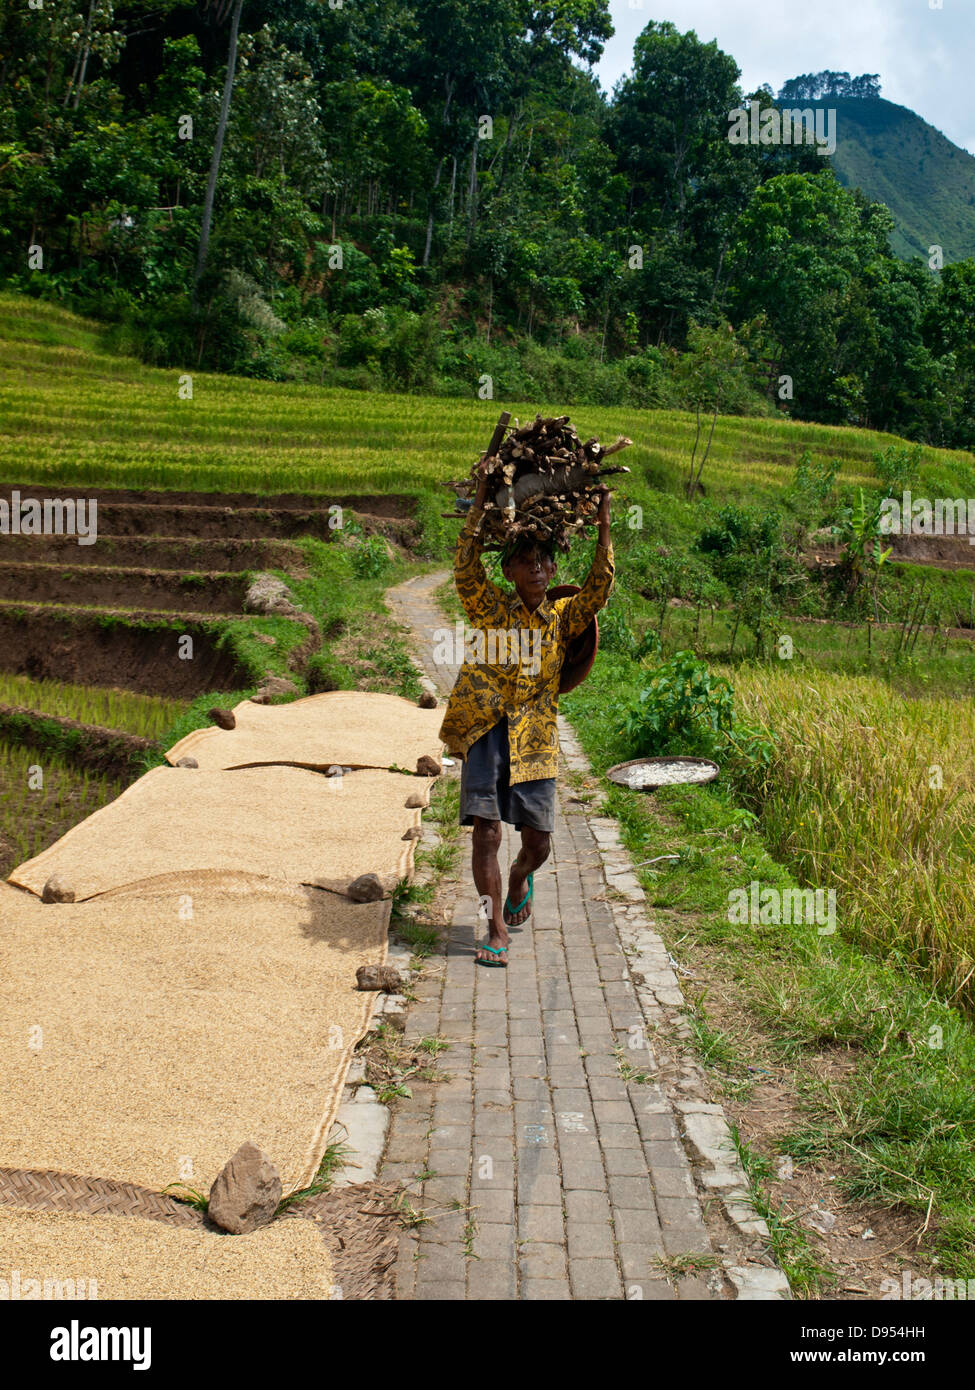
{"x":513,"y":658}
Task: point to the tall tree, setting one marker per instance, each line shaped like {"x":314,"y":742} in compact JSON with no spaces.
{"x":228,"y":88}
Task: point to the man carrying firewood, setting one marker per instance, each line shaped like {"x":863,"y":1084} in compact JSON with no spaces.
{"x":501,"y":715}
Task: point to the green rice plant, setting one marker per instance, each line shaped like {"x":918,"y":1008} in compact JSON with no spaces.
{"x":42,"y":797}
{"x":59,"y":393}
{"x":874,"y":795}
{"x":147,"y":715}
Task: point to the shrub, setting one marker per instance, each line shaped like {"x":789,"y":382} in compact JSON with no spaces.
{"x":681,"y":709}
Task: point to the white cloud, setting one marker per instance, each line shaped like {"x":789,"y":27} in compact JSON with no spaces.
{"x":925,"y":57}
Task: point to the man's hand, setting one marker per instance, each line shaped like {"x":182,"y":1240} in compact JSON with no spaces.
{"x":602,"y":515}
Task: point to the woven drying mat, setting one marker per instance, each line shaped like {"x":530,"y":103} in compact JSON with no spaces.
{"x":361,"y":1230}
{"x":346,"y":728}
{"x":41,"y":1190}
{"x":67,"y":1255}
{"x":146,"y":1035}
{"x":282,"y":823}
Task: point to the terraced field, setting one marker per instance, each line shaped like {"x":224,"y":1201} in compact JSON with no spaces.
{"x":104,"y":646}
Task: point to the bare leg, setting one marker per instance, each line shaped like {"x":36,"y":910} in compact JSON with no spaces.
{"x":535,"y":848}
{"x":487,"y":880}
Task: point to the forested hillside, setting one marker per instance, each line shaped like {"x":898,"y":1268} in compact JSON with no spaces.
{"x":927,"y":182}
{"x":439,"y":197}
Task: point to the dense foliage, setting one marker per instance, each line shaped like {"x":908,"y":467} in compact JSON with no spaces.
{"x":438,"y":196}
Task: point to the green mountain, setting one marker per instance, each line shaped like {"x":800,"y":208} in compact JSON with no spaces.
{"x":898,"y":159}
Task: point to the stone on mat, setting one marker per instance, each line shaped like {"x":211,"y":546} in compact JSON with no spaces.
{"x":427,"y":700}
{"x":428,"y":767}
{"x":246,"y":1192}
{"x":187,"y":762}
{"x":416,"y":799}
{"x":381,"y":977}
{"x":57,"y":889}
{"x":367,"y":888}
{"x":413,"y":833}
{"x":223,"y":718}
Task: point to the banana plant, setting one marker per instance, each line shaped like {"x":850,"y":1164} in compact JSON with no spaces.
{"x":859,"y":531}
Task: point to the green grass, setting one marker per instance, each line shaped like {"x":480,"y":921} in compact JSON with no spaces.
{"x":901,"y":1126}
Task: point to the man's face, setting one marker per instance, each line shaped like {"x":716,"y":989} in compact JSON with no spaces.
{"x":531,"y":572}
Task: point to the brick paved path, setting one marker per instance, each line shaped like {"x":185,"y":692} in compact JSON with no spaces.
{"x":550,"y":1176}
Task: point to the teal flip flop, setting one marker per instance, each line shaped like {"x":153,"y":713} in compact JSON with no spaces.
{"x":495,"y":951}
{"x":529,"y":897}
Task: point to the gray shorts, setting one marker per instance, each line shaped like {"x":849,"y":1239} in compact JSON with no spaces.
{"x":484,"y":789}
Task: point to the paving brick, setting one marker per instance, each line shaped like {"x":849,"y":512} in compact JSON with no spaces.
{"x":587,"y":1208}
{"x":589,"y":1241}
{"x":540,"y":1189}
{"x":631,"y":1193}
{"x":625,"y":1163}
{"x":615,"y":1112}
{"x":638,"y":1228}
{"x":494,"y":1122}
{"x":498,"y":1175}
{"x":539,"y":1290}
{"x":493,"y":1205}
{"x":450,"y":1163}
{"x":440,"y":1264}
{"x":440,"y":1292}
{"x":530,"y":1088}
{"x":595,"y":1279}
{"x":542,"y":1261}
{"x":673,"y":1182}
{"x":494,"y":1242}
{"x":492,"y":1279}
{"x":446,"y":1189}
{"x":569,"y":1075}
{"x":539,"y":1223}
{"x":620,"y":1136}
{"x":583,"y":1175}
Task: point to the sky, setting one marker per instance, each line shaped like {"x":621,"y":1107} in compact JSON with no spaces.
{"x":925,"y":56}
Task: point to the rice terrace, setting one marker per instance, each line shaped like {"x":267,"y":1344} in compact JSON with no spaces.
{"x":487,"y":643}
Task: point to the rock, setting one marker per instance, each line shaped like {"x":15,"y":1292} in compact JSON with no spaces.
{"x":428,"y":767}
{"x":414,"y":800}
{"x":266,"y":638}
{"x":413,"y":833}
{"x":383,"y":977}
{"x":268,"y":594}
{"x":57,"y":890}
{"x":261,"y":698}
{"x":278,"y":685}
{"x":427,"y":701}
{"x":245,"y":1193}
{"x":365,"y":889}
{"x":186,"y":762}
{"x":223,"y":718}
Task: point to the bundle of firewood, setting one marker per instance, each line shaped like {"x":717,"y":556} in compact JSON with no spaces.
{"x":541,"y":481}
